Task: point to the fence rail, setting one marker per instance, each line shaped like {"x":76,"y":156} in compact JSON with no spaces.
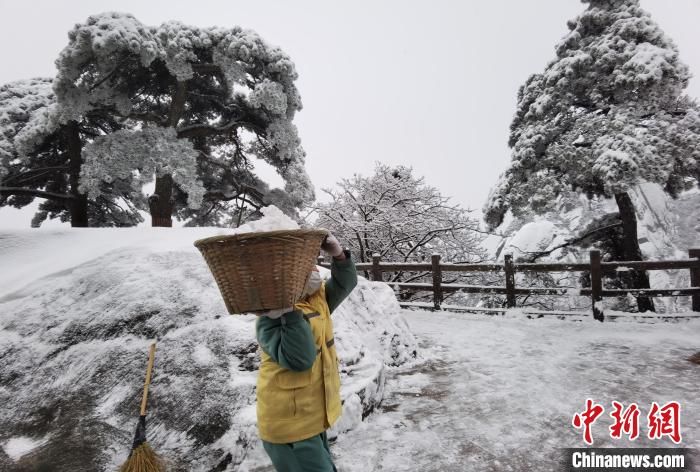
{"x":595,"y":266}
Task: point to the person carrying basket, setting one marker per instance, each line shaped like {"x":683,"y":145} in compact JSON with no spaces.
{"x":298,"y":387}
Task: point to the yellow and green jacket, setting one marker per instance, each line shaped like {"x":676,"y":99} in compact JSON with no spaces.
{"x":298,"y":388}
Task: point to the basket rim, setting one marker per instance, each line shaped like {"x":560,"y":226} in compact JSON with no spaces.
{"x":260,"y":234}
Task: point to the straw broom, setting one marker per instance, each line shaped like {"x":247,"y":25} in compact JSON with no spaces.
{"x":142,"y":458}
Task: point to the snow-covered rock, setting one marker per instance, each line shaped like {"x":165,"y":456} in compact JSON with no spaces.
{"x":667,"y":228}
{"x":75,"y":325}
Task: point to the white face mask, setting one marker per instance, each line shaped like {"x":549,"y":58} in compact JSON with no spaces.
{"x":313,"y":283}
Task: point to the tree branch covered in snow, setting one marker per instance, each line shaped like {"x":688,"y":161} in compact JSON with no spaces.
{"x":34,"y":192}
{"x":25,"y":106}
{"x":151,"y":151}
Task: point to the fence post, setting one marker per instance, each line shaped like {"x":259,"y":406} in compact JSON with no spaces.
{"x":596,"y":286}
{"x":695,"y":277}
{"x":510,"y":280}
{"x":376,"y":270}
{"x":437,"y":281}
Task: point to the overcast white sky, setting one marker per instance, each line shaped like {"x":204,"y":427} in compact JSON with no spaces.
{"x":431,"y":84}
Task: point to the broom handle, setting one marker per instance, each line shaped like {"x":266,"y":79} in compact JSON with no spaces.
{"x":151,"y":359}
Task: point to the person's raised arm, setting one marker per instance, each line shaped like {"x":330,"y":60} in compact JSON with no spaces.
{"x":343,"y":273}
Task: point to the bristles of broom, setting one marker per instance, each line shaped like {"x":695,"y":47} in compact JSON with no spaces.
{"x":142,"y":458}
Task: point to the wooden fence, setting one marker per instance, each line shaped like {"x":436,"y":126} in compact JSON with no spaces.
{"x":595,"y":266}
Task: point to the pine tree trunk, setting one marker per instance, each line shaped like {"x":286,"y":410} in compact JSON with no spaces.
{"x":630,"y":245}
{"x":78,"y":204}
{"x":160,"y":203}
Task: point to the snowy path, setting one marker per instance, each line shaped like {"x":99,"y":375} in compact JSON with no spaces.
{"x":498,"y":394}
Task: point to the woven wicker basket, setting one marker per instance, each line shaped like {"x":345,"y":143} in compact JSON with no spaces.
{"x":262,"y":271}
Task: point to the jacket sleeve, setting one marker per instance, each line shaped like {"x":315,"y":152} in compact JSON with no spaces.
{"x":288,"y":340}
{"x":343,"y":280}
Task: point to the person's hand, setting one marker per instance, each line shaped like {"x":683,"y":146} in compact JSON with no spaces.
{"x":332,"y":246}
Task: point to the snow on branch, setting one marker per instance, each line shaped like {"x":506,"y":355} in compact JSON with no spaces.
{"x":396,"y":215}
{"x":154,"y":150}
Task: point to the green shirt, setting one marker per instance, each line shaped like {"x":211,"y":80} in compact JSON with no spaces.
{"x":288,"y":340}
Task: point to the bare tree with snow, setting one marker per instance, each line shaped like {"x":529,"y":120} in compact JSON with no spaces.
{"x":608,"y":113}
{"x":398,"y":216}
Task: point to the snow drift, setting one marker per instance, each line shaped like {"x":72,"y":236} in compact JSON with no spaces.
{"x":79,"y":308}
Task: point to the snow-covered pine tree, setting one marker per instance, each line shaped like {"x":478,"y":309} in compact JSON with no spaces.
{"x":40,"y":156}
{"x":607,"y":113}
{"x":398,"y":216}
{"x":24,"y":106}
{"x":208,"y":99}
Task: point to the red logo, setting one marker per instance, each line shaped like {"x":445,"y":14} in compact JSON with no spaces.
{"x":626,"y":421}
{"x":586,"y":418}
{"x":661,"y":421}
{"x":665,"y":421}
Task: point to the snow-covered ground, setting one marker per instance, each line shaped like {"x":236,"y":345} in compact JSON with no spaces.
{"x":499,"y":393}
{"x":78,"y":309}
